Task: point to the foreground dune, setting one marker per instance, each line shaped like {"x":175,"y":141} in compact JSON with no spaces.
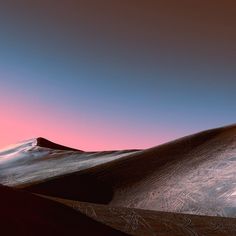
{"x":25,"y":214}
{"x":140,"y":222}
{"x":188,"y":183}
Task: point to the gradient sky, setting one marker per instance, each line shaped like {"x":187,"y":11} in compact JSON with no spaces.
{"x":118,"y":74}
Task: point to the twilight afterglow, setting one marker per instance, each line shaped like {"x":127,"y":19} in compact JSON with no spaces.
{"x":99,"y":75}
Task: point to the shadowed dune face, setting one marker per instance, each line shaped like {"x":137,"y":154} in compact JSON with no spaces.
{"x":195,"y":175}
{"x":25,"y":214}
{"x":76,"y":187}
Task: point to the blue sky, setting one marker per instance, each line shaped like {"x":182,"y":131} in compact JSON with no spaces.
{"x":121,"y":75}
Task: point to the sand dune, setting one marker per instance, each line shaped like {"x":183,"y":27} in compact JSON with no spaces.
{"x":140,"y":222}
{"x":38,"y":160}
{"x":186,"y":183}
{"x":25,"y":214}
{"x":192,"y":175}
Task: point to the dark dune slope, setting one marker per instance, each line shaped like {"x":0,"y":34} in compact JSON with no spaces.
{"x":87,"y":188}
{"x":25,"y":214}
{"x":195,"y":174}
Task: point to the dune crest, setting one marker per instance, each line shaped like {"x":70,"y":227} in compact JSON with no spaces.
{"x":42,"y":142}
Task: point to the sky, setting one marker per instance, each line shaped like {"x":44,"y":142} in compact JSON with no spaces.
{"x":121,"y":74}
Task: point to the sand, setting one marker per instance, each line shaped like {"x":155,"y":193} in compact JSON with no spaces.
{"x":184,"y":187}
{"x":25,"y":214}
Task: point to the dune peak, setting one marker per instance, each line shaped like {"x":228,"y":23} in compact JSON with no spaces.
{"x":43,"y":142}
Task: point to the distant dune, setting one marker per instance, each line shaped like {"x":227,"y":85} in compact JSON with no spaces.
{"x":192,"y":178}
{"x":42,"y":142}
{"x":37,"y":160}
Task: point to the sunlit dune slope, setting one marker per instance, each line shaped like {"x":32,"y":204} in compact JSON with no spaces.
{"x":38,"y":160}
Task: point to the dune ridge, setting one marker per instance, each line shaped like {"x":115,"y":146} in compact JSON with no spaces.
{"x":42,"y":142}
